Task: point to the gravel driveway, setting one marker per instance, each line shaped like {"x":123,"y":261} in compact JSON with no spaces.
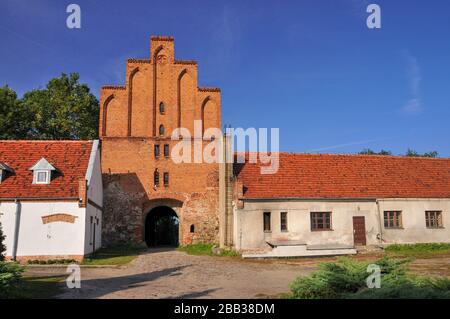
{"x":162,"y":273}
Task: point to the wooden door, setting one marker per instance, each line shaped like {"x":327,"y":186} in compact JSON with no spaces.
{"x":359,"y":230}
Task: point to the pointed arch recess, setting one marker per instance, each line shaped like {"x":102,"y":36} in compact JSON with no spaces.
{"x":179,"y":96}
{"x":155,"y":54}
{"x":208,"y":98}
{"x":105,"y":110}
{"x":130,"y":98}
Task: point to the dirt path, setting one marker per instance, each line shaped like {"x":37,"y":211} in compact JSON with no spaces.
{"x":173,"y":274}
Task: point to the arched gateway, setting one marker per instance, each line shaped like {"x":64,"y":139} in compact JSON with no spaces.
{"x":162,"y":227}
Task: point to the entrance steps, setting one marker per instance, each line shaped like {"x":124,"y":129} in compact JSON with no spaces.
{"x":298,"y":249}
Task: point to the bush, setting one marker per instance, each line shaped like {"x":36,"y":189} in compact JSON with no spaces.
{"x":10,"y":274}
{"x":2,"y":245}
{"x":347,"y":279}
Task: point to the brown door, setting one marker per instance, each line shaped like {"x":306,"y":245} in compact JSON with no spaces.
{"x":359,"y":230}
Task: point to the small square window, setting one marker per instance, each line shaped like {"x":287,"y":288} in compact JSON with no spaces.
{"x":41,"y":177}
{"x":320,"y":221}
{"x":433,"y":219}
{"x":392,"y":219}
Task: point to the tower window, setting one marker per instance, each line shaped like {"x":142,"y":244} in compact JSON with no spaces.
{"x":166,"y":179}
{"x":192,"y":228}
{"x":161,"y":130}
{"x":166,"y":150}
{"x":156,"y":150}
{"x":283,"y":221}
{"x":156,"y":177}
{"x":161,"y":108}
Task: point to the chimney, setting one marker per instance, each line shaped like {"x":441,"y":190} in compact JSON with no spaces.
{"x":82,"y":193}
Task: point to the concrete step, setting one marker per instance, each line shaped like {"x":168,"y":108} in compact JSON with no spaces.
{"x":302,"y":250}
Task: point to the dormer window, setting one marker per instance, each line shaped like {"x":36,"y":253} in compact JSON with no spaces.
{"x":42,"y":172}
{"x":4,"y":170}
{"x":42,"y":177}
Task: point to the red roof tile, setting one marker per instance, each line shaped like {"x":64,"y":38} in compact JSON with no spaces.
{"x":70,"y":158}
{"x":348,"y":176}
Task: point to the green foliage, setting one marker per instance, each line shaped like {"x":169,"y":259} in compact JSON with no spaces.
{"x":409,"y":152}
{"x":2,"y":244}
{"x":51,"y":262}
{"x":207,"y":249}
{"x":346,"y":278}
{"x":14,"y":119}
{"x":426,"y":247}
{"x":65,"y":109}
{"x":10,"y":274}
{"x":368,"y":151}
{"x":413,"y":153}
{"x":37,"y":288}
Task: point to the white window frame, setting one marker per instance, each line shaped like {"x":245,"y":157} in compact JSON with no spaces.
{"x":36,"y":174}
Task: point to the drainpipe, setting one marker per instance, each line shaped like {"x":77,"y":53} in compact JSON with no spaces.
{"x":16,"y":229}
{"x":380,"y":223}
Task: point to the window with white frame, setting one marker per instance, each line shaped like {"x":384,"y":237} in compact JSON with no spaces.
{"x":42,"y":177}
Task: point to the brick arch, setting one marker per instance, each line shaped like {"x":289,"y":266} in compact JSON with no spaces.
{"x":175,"y":202}
{"x":130,"y":98}
{"x":105,"y":110}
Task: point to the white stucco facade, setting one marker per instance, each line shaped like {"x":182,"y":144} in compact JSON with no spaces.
{"x":47,"y":228}
{"x":249,"y":233}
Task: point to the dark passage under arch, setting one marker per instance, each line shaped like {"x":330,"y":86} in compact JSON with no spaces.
{"x":161,"y":227}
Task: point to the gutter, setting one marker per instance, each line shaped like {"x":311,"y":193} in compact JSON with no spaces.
{"x":10,"y":199}
{"x":16,"y":229}
{"x":380,"y":234}
{"x":307,"y":199}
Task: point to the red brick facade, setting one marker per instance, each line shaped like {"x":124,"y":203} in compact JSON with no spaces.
{"x":130,"y":126}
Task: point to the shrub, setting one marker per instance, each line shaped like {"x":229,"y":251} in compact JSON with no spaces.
{"x":347,"y":279}
{"x":10,"y":274}
{"x":2,"y":245}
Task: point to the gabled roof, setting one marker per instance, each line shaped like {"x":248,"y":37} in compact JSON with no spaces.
{"x":43,"y":164}
{"x":70,"y":157}
{"x":322,"y":176}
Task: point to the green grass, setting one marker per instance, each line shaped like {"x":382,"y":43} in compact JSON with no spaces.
{"x":114,"y":256}
{"x":37,"y":287}
{"x":418,"y":250}
{"x":206,"y":250}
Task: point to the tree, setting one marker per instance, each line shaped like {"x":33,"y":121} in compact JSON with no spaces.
{"x":65,"y":109}
{"x":14,"y":119}
{"x":368,"y":151}
{"x":2,"y":245}
{"x":413,"y":153}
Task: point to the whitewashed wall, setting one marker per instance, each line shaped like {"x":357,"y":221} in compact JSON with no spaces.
{"x":38,"y":239}
{"x":249,"y":233}
{"x":95,"y":194}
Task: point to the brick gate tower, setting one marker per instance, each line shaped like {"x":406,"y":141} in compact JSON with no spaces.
{"x":143,"y":187}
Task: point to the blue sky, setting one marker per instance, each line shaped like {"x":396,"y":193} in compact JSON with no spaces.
{"x":311,"y":68}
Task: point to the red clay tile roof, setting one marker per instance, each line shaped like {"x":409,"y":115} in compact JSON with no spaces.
{"x":70,"y":158}
{"x":348,"y":176}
